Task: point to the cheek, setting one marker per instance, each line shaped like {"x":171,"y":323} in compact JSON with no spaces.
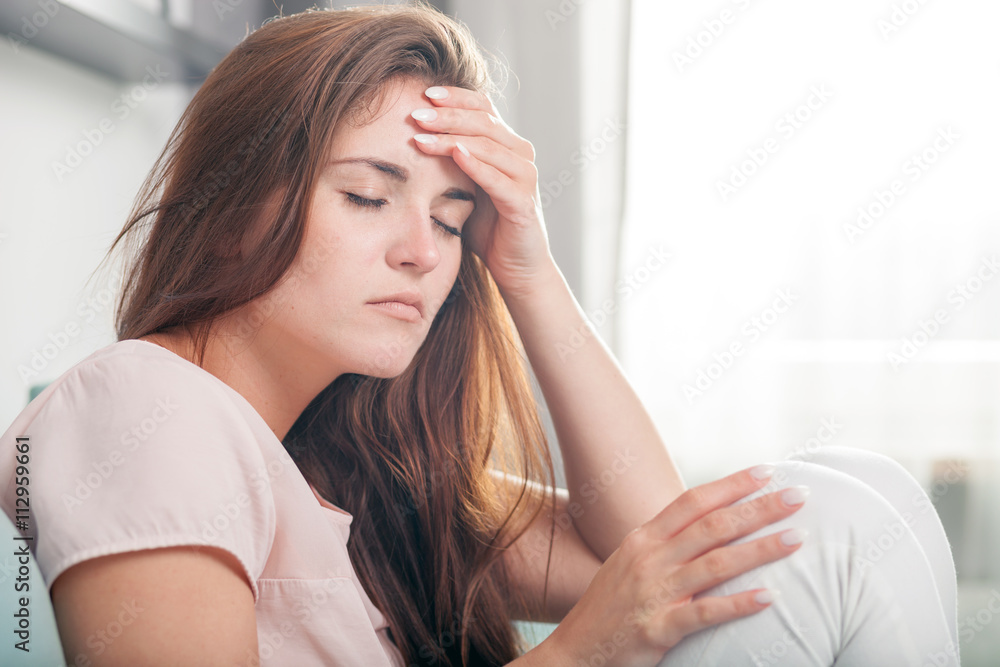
{"x":447,"y":290}
{"x":333,"y":256}
{"x":320,"y":246}
{"x":334,"y":232}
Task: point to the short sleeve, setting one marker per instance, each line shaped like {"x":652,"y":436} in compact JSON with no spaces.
{"x":132,"y":452}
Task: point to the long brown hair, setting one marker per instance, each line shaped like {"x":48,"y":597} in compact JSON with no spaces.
{"x":218,"y":223}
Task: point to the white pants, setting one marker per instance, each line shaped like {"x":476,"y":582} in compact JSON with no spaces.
{"x":872,"y":585}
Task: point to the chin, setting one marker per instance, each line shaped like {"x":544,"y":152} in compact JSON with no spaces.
{"x":380,"y":353}
{"x":384,"y":365}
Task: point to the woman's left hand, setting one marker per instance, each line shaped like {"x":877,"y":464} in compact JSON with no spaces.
{"x":506,"y":230}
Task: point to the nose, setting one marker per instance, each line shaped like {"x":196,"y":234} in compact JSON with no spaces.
{"x":415,"y":244}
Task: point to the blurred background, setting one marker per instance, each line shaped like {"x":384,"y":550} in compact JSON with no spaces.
{"x":780,"y":216}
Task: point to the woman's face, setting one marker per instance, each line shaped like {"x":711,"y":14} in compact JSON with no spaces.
{"x":381,"y":233}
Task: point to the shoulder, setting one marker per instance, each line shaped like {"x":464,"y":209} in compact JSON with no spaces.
{"x":131,"y":370}
{"x":137,"y":448}
{"x":126,"y":392}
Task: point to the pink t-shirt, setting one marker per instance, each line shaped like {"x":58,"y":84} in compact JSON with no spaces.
{"x":138,"y":448}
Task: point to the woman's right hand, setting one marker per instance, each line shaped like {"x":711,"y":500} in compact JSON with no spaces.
{"x":639,"y":604}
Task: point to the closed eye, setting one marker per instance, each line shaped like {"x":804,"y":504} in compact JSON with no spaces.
{"x":376,"y":204}
{"x":364,"y":202}
{"x":448,"y":228}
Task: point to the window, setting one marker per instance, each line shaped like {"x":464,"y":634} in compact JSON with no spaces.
{"x":824,"y":178}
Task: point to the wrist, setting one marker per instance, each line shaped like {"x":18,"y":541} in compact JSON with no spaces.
{"x":549,"y":653}
{"x":537,"y":291}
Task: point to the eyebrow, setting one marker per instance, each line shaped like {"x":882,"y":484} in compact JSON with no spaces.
{"x":399,"y":173}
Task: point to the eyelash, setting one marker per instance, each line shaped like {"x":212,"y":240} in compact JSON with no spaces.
{"x":376,"y":204}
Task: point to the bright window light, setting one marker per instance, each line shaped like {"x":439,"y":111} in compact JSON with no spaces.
{"x":824,"y":177}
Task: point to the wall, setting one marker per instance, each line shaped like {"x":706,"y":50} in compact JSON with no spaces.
{"x":77,"y":147}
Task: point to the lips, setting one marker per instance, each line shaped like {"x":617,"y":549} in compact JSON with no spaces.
{"x":409,"y":298}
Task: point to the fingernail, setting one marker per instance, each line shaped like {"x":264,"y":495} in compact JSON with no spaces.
{"x":424,"y":114}
{"x":795,"y":495}
{"x":762,"y":471}
{"x":794,"y":536}
{"x":436,"y":93}
{"x":465,"y":151}
{"x":425,"y":138}
{"x":766,"y":596}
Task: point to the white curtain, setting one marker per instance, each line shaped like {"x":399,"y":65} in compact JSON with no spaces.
{"x":824,"y":178}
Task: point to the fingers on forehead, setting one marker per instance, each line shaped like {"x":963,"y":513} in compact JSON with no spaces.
{"x":463,"y":97}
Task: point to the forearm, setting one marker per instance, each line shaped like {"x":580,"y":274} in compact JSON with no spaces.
{"x":618,"y":470}
{"x":545,"y":654}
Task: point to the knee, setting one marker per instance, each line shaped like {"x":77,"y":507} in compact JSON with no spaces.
{"x":880,"y":473}
{"x":860,"y":574}
{"x":840,"y":509}
{"x":857,"y":462}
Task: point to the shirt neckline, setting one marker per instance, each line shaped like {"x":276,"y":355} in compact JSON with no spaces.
{"x":339,"y":515}
{"x":344,"y":517}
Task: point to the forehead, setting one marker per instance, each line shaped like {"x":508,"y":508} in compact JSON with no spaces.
{"x":386,"y":109}
{"x":384,"y":129}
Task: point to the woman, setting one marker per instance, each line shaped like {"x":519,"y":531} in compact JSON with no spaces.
{"x":316,"y":342}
